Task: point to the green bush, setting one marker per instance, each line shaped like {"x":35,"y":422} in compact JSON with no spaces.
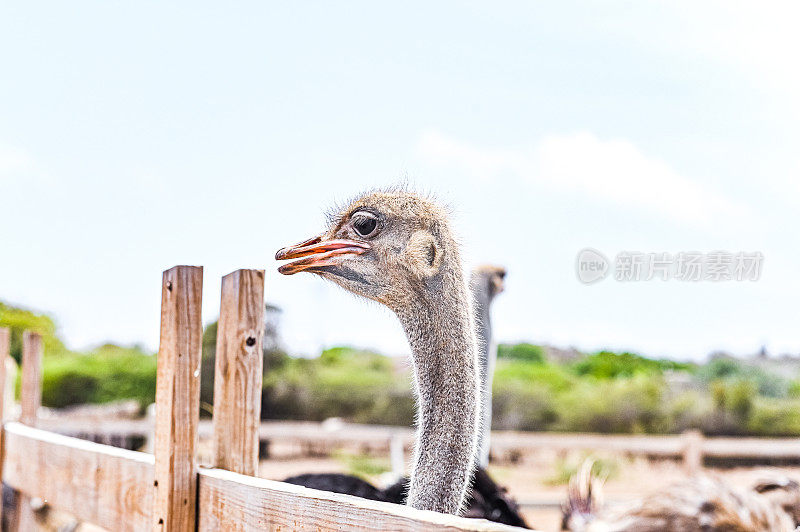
{"x":551,"y":377}
{"x":729,"y":370}
{"x":523,"y":351}
{"x":632,"y":405}
{"x":603,"y":392}
{"x":772,"y":417}
{"x":721,"y":368}
{"x":608,"y":393}
{"x":343,"y":382}
{"x":516,"y":406}
{"x":688,"y":410}
{"x":735,"y":397}
{"x":20,"y":320}
{"x":108,"y":373}
{"x":793,"y":389}
{"x":608,"y":365}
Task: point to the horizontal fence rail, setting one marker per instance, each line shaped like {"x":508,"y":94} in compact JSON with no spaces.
{"x":229,"y":501}
{"x":99,"y":484}
{"x":112,"y":488}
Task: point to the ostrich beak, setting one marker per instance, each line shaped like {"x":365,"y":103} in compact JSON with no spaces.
{"x":317,"y":252}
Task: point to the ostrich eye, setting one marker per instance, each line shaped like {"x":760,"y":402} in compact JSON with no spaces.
{"x":365,"y":224}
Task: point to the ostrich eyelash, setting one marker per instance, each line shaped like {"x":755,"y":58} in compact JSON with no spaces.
{"x":364,"y":213}
{"x":335,"y":217}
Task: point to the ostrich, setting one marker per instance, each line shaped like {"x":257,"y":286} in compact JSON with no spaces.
{"x":771,"y":504}
{"x":486,"y":500}
{"x":487,"y":282}
{"x":397,"y":248}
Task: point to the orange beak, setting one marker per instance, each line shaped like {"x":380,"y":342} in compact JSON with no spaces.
{"x":317,"y":253}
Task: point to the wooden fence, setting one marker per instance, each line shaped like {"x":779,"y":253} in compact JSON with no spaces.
{"x":167,"y":491}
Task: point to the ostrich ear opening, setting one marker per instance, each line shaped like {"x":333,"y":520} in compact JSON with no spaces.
{"x":424,"y":253}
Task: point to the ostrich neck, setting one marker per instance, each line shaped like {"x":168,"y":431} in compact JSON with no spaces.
{"x":440,"y":329}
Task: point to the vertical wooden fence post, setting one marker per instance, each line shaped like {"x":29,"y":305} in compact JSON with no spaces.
{"x":238,"y":372}
{"x":5,"y":347}
{"x":5,"y":344}
{"x":692,"y":451}
{"x":178,"y":400}
{"x":30,"y":401}
{"x":31,"y":392}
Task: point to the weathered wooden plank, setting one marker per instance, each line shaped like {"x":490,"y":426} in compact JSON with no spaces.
{"x":751,"y":447}
{"x":178,"y":400}
{"x":5,"y":345}
{"x":30,"y":401}
{"x":31,"y":391}
{"x":238,"y":372}
{"x":232,"y":502}
{"x":99,"y":484}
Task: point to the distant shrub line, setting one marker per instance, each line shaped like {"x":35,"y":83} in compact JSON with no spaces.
{"x":602,"y":392}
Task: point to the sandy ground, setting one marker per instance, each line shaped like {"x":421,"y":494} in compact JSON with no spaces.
{"x":535,"y":483}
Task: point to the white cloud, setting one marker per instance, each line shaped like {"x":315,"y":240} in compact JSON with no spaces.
{"x":613,"y":171}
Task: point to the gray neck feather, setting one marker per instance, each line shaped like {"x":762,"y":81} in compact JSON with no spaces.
{"x":439,"y":324}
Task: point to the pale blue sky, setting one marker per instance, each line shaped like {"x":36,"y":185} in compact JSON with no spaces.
{"x":138,"y":136}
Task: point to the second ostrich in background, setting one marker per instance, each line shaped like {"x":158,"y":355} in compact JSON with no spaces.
{"x":397,"y":248}
{"x":487,"y":282}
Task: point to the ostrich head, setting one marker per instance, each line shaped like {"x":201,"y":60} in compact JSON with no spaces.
{"x":491,"y":279}
{"x":386,"y":246}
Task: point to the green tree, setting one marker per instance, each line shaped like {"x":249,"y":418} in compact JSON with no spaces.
{"x":20,"y":320}
{"x":608,"y":365}
{"x":521,"y":351}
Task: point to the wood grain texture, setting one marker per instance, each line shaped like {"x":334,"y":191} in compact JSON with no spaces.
{"x":103,"y":485}
{"x":30,"y":400}
{"x":178,"y":400}
{"x":238,"y":372}
{"x":5,"y":346}
{"x":232,"y":502}
{"x":31,"y":391}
